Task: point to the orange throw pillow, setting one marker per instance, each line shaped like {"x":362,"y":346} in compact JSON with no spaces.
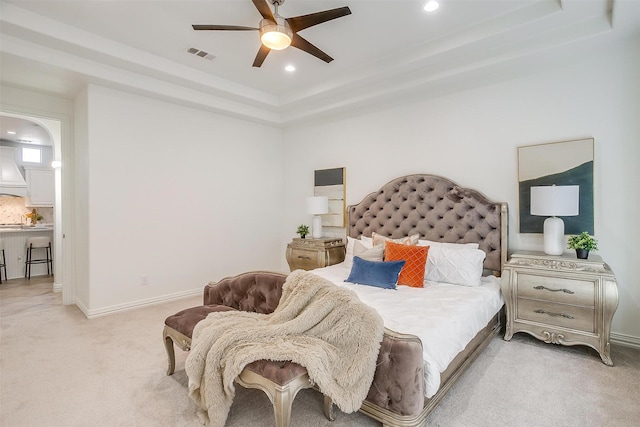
{"x":412,"y":274}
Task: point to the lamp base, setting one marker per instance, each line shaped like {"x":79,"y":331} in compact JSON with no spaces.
{"x":553,"y":236}
{"x":316,"y":227}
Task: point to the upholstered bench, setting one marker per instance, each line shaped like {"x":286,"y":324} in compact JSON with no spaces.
{"x":257,"y":291}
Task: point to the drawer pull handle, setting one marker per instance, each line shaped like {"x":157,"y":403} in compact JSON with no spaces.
{"x":566,"y":291}
{"x":303,"y":257}
{"x":551,"y":313}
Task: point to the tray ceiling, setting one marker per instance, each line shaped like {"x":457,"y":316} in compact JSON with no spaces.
{"x":386,"y":49}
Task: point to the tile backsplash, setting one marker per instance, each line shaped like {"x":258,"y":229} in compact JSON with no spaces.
{"x":13,"y":210}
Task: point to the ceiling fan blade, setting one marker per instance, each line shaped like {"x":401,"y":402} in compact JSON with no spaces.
{"x":261,"y":56}
{"x":264,"y":9}
{"x":298,"y":23}
{"x":304,"y":45}
{"x":222,"y":27}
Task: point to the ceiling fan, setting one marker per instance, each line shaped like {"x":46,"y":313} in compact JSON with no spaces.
{"x":278,"y":33}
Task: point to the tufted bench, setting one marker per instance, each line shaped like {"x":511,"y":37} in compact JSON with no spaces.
{"x":256,"y":291}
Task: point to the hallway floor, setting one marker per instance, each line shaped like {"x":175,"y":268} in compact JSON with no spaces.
{"x":22,"y":295}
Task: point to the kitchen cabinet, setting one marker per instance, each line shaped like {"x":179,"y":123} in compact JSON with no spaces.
{"x":40,"y":186}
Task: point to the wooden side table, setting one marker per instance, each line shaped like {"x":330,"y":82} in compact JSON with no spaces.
{"x":307,"y":254}
{"x":560,"y":299}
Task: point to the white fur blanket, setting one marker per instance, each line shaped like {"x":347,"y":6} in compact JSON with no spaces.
{"x":317,"y":324}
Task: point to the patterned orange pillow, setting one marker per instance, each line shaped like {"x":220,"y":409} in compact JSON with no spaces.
{"x":412,"y":274}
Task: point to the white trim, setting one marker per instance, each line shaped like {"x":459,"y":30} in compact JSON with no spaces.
{"x":57,"y":287}
{"x":625,"y":340}
{"x":81,"y":306}
{"x":91,"y":314}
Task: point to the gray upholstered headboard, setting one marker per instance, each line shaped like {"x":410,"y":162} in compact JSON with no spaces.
{"x":439,"y":210}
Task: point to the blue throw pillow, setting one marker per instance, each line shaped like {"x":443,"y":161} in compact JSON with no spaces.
{"x":382,"y":274}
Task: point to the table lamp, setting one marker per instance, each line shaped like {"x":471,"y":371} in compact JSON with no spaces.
{"x":317,"y":206}
{"x":554,"y":201}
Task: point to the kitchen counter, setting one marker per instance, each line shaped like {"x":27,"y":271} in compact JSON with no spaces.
{"x":14,"y":239}
{"x":25,"y":228}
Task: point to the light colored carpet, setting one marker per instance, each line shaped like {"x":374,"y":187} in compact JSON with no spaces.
{"x":59,"y":369}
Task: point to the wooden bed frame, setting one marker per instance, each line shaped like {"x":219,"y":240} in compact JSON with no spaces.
{"x":439,"y":210}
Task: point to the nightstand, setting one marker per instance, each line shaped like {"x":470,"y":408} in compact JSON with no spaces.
{"x":560,"y":299}
{"x":307,"y":254}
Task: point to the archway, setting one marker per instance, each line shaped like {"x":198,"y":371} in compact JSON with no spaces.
{"x":54,"y":127}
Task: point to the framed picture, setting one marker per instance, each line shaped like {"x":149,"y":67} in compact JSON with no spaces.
{"x":331,"y":183}
{"x":559,"y":163}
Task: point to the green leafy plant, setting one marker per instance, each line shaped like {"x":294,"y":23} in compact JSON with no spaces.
{"x":302,"y":230}
{"x":583,"y":241}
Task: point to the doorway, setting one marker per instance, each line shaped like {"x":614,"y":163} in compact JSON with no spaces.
{"x":57,"y":129}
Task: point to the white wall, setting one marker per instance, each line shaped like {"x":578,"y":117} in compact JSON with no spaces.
{"x":472,"y":138}
{"x":179,"y":195}
{"x":34,"y":103}
{"x":81,"y":201}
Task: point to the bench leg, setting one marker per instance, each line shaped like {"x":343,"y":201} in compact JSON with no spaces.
{"x":171,"y":355}
{"x":329,"y":409}
{"x":282,"y":403}
{"x":280,"y":396}
{"x":170,"y":337}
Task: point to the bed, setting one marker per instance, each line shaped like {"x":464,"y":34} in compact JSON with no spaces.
{"x":412,"y":378}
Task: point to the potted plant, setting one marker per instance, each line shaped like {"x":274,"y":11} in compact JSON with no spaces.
{"x":582,"y":243}
{"x":302,"y":230}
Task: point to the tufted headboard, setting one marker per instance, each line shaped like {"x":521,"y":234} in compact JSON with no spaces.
{"x":439,"y":210}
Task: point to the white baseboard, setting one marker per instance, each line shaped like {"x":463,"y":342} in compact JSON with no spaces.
{"x":136,"y":304}
{"x":83,"y":308}
{"x":57,"y":287}
{"x":625,"y":340}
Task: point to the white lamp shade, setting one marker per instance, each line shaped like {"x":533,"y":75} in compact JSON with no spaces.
{"x":555,"y":200}
{"x":317,"y":205}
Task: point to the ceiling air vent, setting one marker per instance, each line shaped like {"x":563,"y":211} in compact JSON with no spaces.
{"x":200,"y":53}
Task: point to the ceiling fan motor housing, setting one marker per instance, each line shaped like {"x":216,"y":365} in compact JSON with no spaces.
{"x":276,"y":35}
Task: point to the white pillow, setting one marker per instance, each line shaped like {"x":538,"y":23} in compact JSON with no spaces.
{"x":459,"y":266}
{"x":364,"y":241}
{"x":448,"y":245}
{"x":370,"y":254}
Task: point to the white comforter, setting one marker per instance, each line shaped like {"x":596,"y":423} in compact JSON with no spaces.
{"x":445,"y":317}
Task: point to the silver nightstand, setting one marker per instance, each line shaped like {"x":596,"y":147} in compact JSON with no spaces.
{"x":307,"y":254}
{"x":560,"y":299}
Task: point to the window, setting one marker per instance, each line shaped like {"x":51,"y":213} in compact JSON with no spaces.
{"x":31,"y":155}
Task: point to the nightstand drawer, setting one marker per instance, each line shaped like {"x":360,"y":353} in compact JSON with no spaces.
{"x":567,"y":316}
{"x":304,"y":259}
{"x":556,"y":289}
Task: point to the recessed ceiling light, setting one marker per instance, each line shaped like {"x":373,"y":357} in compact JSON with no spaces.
{"x":290,"y":68}
{"x":431,"y":5}
{"x":10,"y":132}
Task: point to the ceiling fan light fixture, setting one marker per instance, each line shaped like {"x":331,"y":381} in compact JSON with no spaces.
{"x":275,"y":35}
{"x":431,"y":6}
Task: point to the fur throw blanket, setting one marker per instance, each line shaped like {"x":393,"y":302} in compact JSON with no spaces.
{"x":317,"y":324}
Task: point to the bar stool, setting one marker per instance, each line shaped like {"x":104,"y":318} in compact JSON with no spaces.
{"x":3,"y":262}
{"x":38,"y":243}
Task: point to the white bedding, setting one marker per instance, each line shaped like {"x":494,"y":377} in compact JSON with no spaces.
{"x":445,"y":317}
